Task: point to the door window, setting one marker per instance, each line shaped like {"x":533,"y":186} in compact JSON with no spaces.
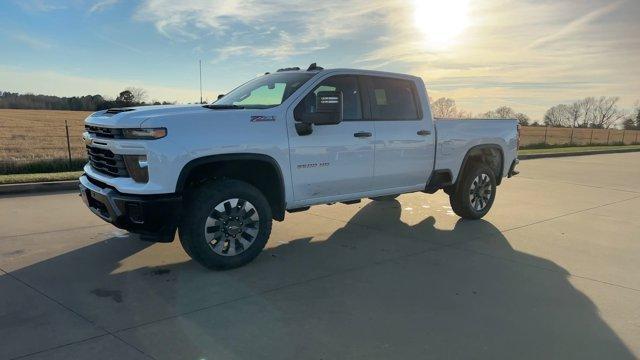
{"x":393,"y":99}
{"x":351,"y":103}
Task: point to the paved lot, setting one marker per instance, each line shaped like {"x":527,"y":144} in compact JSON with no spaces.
{"x":552,"y":272}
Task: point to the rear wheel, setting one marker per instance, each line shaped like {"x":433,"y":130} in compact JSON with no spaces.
{"x":226,"y":224}
{"x":475,"y":192}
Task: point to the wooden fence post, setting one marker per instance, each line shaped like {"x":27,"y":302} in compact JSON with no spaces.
{"x":591,"y":137}
{"x":66,"y":128}
{"x":571,"y":138}
{"x":545,"y":134}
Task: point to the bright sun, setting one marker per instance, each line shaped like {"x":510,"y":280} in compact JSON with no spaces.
{"x":441,"y":20}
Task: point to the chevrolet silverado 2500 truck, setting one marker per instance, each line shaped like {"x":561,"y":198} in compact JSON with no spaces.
{"x":220,"y":173}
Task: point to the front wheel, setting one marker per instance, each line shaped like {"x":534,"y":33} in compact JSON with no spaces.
{"x":226,"y":224}
{"x":473,"y":196}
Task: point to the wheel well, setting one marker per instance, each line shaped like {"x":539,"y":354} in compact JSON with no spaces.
{"x":261,"y":172}
{"x":491,"y":155}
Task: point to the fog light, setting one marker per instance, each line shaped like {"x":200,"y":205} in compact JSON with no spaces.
{"x":138,"y":167}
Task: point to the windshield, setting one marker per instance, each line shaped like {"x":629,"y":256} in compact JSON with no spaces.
{"x":266,"y":91}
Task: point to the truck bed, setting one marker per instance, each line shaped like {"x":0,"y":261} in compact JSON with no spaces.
{"x":455,"y":137}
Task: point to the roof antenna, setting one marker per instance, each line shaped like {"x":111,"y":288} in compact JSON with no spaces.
{"x":313,"y":67}
{"x":200,"y":66}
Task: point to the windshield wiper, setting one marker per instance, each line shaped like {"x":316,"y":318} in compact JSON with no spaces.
{"x":217,"y":107}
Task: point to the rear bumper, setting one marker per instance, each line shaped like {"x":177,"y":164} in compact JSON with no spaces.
{"x":155,"y":215}
{"x":512,"y":169}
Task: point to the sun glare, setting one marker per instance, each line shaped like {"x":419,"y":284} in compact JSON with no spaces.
{"x":441,"y":21}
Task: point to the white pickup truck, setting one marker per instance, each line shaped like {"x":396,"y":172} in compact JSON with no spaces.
{"x":220,"y":173}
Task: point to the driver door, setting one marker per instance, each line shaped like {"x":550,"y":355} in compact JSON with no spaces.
{"x":334,"y":162}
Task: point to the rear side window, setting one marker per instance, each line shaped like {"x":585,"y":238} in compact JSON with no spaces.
{"x":348,"y":85}
{"x":393,"y":99}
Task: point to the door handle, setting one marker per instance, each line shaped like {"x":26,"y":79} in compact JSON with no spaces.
{"x":424,"y":132}
{"x":362,"y":134}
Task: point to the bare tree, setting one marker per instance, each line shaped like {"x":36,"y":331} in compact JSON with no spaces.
{"x":574,"y":111}
{"x":587,"y":105}
{"x":139,"y":94}
{"x":558,"y":116}
{"x":505,"y":112}
{"x":446,"y":108}
{"x":635,"y":115}
{"x":629,"y":124}
{"x":606,"y":112}
{"x":523,"y":119}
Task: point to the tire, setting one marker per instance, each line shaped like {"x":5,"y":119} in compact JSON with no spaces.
{"x":474,"y":193}
{"x":226,"y":224}
{"x":385,"y":197}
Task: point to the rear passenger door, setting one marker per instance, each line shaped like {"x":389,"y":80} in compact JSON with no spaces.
{"x":404,"y":146}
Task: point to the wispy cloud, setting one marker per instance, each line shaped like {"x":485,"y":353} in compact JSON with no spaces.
{"x":120,"y":44}
{"x":273,"y":29}
{"x":576,"y":25}
{"x":31,"y":41}
{"x":102,"y":5}
{"x":40,"y":5}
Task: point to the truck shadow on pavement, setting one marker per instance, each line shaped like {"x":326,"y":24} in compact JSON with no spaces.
{"x":405,"y":292}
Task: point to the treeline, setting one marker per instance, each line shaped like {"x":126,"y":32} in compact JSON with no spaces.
{"x":128,"y":97}
{"x":590,"y":112}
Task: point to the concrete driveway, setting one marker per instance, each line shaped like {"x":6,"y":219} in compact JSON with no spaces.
{"x":552,"y":272}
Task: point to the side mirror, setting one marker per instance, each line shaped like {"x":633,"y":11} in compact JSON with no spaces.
{"x":220,"y":96}
{"x":328,"y":109}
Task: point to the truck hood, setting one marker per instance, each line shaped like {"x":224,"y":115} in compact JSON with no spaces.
{"x":132,"y":117}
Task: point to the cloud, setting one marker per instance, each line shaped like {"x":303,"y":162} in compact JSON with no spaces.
{"x":102,"y":5}
{"x":119,"y":44}
{"x":32,"y":42}
{"x":40,"y":5}
{"x":576,"y":25}
{"x":275,"y":29}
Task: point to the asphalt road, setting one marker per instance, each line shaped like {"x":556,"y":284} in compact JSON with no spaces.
{"x":552,"y":272}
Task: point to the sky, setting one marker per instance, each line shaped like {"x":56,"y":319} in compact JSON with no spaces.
{"x":529,"y":55}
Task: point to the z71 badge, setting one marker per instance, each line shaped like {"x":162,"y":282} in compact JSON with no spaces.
{"x":261,"y":118}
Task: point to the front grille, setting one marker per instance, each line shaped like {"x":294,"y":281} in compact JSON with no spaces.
{"x":103,"y":132}
{"x":106,"y":162}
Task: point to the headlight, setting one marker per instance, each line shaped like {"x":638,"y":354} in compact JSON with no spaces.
{"x":137,"y":167}
{"x":148,"y":133}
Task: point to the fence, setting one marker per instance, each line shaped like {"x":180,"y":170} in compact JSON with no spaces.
{"x":60,"y":146}
{"x":41,"y":142}
{"x":538,"y":135}
{"x":45,"y":137}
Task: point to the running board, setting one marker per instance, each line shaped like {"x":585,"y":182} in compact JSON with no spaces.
{"x":304,"y":208}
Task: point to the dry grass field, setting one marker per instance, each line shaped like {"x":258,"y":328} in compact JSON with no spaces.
{"x":27,"y":135}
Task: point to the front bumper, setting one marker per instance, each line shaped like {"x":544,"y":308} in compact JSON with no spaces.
{"x":154,"y":215}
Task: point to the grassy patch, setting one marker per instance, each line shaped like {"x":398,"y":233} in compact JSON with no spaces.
{"x":45,"y":177}
{"x":41,"y":166}
{"x":575,"y":149}
{"x":566,"y":145}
